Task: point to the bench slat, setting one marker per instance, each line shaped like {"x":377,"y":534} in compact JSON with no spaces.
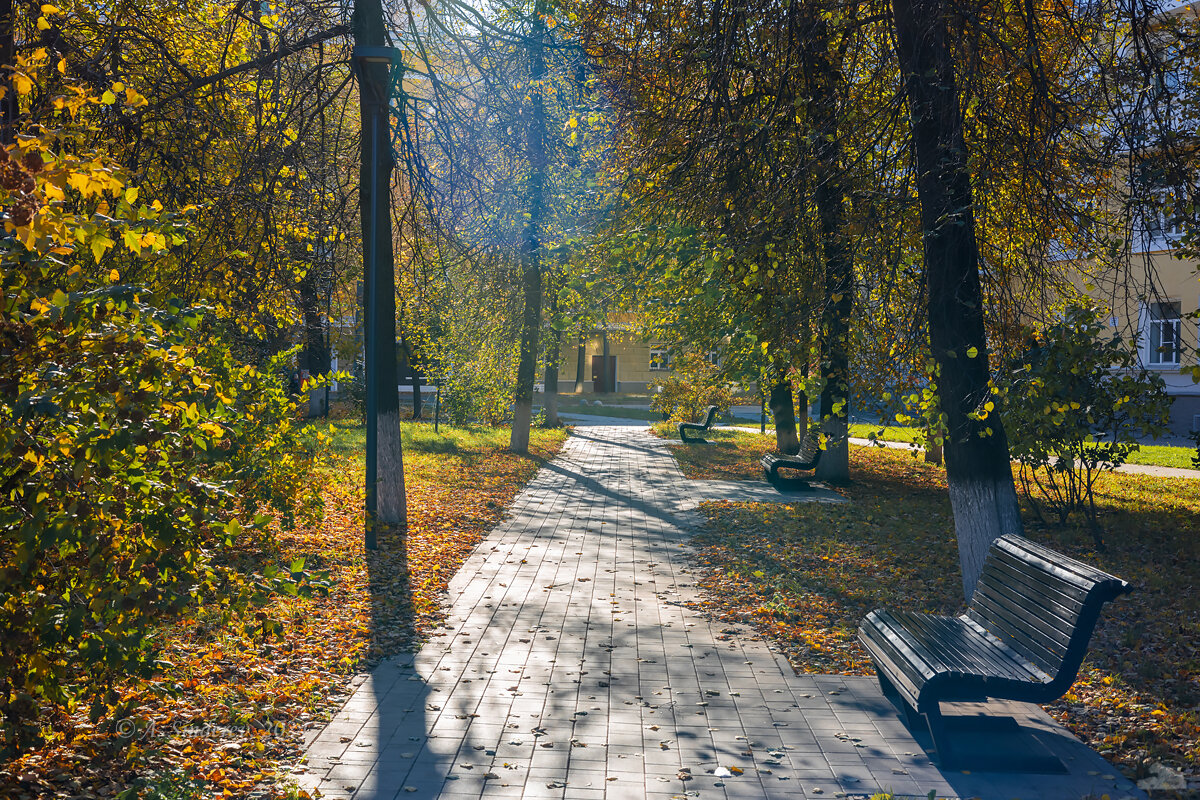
{"x":954,"y":644}
{"x":1048,"y":610}
{"x":1075,"y":572}
{"x":1011,"y":627}
{"x":1067,"y":597}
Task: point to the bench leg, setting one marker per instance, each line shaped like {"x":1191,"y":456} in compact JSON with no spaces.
{"x":941,"y":742}
{"x":911,"y":717}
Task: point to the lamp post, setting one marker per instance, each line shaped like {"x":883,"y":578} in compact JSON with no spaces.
{"x":374,"y":65}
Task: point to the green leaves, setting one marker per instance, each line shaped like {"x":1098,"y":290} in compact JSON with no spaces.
{"x":140,"y":452}
{"x":1075,"y":408}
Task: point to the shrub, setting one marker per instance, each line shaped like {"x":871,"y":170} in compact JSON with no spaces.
{"x":134,"y":449}
{"x":1075,"y":405}
{"x":135,"y":455}
{"x":696,"y":384}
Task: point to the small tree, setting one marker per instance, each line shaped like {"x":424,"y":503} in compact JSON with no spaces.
{"x":1077,"y":401}
{"x":696,"y":384}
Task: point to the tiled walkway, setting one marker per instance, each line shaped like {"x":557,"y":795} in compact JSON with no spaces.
{"x":572,"y":668}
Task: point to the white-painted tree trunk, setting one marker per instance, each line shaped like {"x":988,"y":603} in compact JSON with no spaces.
{"x":984,"y":510}
{"x":391,"y":508}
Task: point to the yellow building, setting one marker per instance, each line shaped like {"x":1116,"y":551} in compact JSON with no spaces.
{"x":633,"y":363}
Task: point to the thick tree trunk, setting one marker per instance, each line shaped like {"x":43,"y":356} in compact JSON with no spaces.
{"x":531,"y":255}
{"x":314,"y":355}
{"x":835,"y":329}
{"x":982,"y":495}
{"x":386,"y":506}
{"x":824,"y":91}
{"x":784,"y":415}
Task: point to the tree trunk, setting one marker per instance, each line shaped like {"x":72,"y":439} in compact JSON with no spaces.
{"x":551,"y":383}
{"x":824,"y":91}
{"x":835,"y":328}
{"x":414,"y":378}
{"x":604,"y":371}
{"x":531,"y":255}
{"x":314,"y":355}
{"x":982,"y":495}
{"x":784,"y":415}
{"x":580,"y":359}
{"x":553,"y":355}
{"x":385,"y":499}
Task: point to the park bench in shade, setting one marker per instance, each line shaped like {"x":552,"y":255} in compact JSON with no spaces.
{"x":710,"y":416}
{"x":804,"y":461}
{"x":1023,"y":638}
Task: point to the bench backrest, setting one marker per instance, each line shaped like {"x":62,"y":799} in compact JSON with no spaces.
{"x":810,"y":446}
{"x":1041,"y":603}
{"x":710,"y":416}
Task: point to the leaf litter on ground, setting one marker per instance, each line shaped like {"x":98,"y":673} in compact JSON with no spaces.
{"x":805,"y":575}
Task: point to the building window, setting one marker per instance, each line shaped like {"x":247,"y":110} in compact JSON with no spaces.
{"x":660,"y":359}
{"x":1164,"y":222}
{"x":1164,"y":333}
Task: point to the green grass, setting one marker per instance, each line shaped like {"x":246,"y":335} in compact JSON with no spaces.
{"x":620,"y":412}
{"x":1155,"y":455}
{"x":887,"y":433}
{"x":1160,"y":455}
{"x":349,"y":438}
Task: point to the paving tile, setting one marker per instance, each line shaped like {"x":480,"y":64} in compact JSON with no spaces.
{"x":580,"y":602}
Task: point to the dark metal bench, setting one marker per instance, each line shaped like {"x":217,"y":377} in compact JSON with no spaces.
{"x":804,"y":461}
{"x":710,"y":416}
{"x":1023,"y":638}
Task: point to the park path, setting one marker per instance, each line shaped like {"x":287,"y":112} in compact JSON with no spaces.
{"x":574,"y":666}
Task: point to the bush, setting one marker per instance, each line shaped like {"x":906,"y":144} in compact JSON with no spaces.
{"x":136,"y":454}
{"x":1075,"y":406}
{"x":695,"y":385}
{"x":135,"y":449}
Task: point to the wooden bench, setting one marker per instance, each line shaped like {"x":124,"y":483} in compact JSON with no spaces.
{"x":710,"y":416}
{"x":1023,"y":637}
{"x":804,"y":461}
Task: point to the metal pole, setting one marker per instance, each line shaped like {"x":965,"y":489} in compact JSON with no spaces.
{"x":437,"y":408}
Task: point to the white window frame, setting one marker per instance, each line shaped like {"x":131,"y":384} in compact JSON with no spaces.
{"x":1156,"y":325}
{"x":660,"y":359}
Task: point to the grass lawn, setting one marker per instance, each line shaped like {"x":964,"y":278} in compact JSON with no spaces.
{"x":1156,"y":455}
{"x":251,"y":695}
{"x":806,"y":574}
{"x":619,"y":412}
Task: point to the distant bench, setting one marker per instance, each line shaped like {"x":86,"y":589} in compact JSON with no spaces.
{"x":710,"y":416}
{"x":804,"y":461}
{"x":1023,"y":637}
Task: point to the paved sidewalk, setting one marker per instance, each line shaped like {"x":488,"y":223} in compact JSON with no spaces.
{"x":572,"y":667}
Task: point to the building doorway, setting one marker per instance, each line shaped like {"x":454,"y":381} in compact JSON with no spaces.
{"x":604,"y":380}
